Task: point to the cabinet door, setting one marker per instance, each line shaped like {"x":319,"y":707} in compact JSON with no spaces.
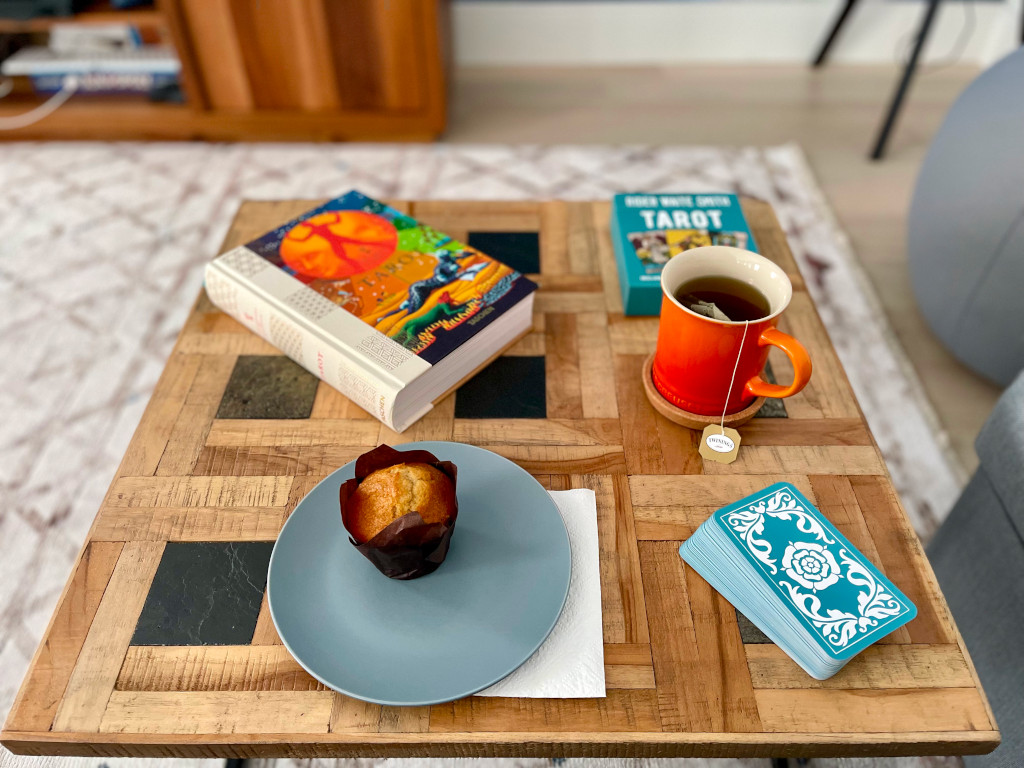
{"x":316,"y":55}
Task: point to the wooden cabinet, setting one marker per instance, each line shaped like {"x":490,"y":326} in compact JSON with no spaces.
{"x":282,"y":69}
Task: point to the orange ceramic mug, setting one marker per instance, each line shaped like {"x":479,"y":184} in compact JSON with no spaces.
{"x":694,"y":360}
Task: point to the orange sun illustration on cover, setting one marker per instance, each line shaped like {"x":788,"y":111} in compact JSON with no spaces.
{"x":338,"y":244}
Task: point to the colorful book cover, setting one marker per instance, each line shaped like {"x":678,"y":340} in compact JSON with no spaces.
{"x":419,"y":287}
{"x":649,"y":229}
{"x":371,"y":300}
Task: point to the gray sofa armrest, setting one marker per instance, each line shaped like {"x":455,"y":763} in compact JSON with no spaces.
{"x":978,"y":556}
{"x":1000,"y":447}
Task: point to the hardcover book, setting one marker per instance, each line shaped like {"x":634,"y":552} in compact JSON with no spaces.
{"x":649,"y":229}
{"x":385,"y":309}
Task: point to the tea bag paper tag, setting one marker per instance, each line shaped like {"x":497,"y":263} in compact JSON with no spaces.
{"x":719,"y":443}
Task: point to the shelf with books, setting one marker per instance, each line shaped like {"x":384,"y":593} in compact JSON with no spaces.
{"x":325,"y":70}
{"x":116,"y":75}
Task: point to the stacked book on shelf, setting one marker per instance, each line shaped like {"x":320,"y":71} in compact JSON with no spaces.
{"x":102,"y":58}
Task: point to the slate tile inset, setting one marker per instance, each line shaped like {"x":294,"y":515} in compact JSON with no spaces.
{"x":519,"y":250}
{"x":268,"y":387}
{"x":774,"y":407}
{"x":509,"y":388}
{"x":205,"y":593}
{"x":749,"y":633}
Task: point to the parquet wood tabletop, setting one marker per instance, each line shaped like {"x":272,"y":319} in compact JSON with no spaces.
{"x":132,"y":662}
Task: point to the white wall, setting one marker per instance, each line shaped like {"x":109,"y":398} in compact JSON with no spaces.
{"x":721,"y":31}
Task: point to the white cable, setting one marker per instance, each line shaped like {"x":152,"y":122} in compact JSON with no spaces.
{"x":48,"y":107}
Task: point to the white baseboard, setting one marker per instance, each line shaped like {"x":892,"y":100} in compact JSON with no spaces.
{"x":518,"y":33}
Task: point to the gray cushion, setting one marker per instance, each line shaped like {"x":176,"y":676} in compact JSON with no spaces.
{"x":965,"y":230}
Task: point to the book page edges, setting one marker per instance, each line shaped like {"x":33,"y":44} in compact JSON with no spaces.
{"x":319,"y":347}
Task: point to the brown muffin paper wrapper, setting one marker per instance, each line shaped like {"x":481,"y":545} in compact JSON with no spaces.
{"x":408,"y":548}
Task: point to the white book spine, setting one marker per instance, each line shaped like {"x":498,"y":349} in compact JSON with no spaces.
{"x":322,"y":356}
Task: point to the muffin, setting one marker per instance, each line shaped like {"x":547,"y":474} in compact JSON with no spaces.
{"x":393,"y":492}
{"x":400,"y":510}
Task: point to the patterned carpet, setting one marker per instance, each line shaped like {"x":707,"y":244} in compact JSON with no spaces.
{"x":101,"y":255}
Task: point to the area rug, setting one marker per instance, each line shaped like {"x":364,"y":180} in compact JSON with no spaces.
{"x":101,"y":254}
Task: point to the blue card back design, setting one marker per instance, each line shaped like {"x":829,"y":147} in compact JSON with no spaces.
{"x":843,"y":600}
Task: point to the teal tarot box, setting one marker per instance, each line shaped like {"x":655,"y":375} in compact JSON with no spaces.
{"x":649,"y":229}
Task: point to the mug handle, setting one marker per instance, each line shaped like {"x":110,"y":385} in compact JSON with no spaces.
{"x":797,"y":355}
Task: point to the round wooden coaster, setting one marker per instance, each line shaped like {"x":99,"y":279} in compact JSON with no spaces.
{"x":687,"y":419}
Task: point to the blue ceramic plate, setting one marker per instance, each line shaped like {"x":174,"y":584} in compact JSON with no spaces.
{"x":440,"y":637}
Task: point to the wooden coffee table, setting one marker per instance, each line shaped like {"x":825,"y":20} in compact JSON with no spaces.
{"x":162,"y":644}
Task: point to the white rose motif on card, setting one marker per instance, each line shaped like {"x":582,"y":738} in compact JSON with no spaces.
{"x":810,"y":565}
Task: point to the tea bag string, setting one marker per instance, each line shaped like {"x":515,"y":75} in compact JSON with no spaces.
{"x":739,"y":353}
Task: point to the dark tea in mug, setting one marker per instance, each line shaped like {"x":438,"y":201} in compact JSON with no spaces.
{"x":737,"y":300}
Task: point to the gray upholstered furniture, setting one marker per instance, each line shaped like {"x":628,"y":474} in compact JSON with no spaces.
{"x":966,"y":226}
{"x":978,"y":555}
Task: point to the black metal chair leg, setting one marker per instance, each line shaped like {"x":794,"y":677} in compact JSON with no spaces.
{"x":780,"y":762}
{"x":908,"y":74}
{"x":823,"y":53}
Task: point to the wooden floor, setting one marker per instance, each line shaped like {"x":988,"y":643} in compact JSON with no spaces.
{"x":833,"y":114}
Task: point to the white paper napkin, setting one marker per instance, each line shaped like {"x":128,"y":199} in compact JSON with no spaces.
{"x":570,"y":663}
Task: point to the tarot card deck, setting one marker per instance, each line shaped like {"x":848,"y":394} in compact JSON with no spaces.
{"x":780,"y":562}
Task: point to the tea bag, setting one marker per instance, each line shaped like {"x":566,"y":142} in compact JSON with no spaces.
{"x":719,"y":443}
{"x":705,"y":308}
